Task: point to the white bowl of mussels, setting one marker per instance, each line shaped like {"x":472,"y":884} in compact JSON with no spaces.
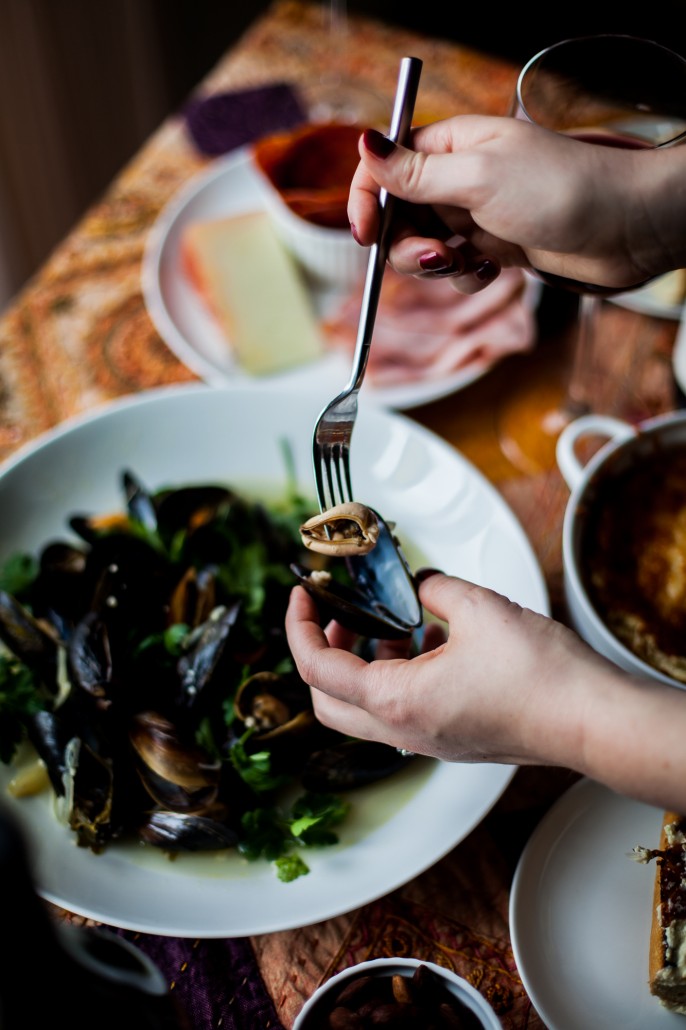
{"x":147,"y":553}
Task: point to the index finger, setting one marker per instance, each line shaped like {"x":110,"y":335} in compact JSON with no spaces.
{"x":363,"y":206}
{"x":336,"y":672}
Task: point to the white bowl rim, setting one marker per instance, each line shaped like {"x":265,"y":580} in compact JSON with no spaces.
{"x":478,"y":1005}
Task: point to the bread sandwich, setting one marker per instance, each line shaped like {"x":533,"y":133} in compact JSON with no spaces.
{"x":667,"y":944}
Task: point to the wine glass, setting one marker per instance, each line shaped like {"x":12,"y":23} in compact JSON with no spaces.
{"x":609,"y":90}
{"x":335,"y":96}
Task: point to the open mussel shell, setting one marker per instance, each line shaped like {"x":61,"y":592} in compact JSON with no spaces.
{"x":278,"y":711}
{"x":381,"y":600}
{"x":269,"y":703}
{"x":176,"y":773}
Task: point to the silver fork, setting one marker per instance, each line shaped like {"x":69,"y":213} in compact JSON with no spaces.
{"x":333,"y":429}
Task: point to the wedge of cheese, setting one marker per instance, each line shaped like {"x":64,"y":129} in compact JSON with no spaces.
{"x":251,"y":284}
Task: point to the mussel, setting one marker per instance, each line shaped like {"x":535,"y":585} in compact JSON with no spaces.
{"x":380,"y":600}
{"x":89,"y":658}
{"x":349,"y":764}
{"x":198,"y":666}
{"x":179,"y":831}
{"x":175,"y":772}
{"x":30,"y":640}
{"x":89,"y":801}
{"x":268,"y":703}
{"x":194,"y":597}
{"x":345,"y":529}
{"x":277,"y":709}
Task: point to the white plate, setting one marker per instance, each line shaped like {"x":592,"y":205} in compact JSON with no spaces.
{"x":580,"y":912}
{"x":446,"y":513}
{"x":229,"y":186}
{"x":646,"y":301}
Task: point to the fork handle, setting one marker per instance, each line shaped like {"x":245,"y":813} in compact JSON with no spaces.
{"x":401,"y":122}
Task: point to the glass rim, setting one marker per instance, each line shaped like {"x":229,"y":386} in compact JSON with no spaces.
{"x":590,"y":38}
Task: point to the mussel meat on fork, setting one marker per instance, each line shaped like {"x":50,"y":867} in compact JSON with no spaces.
{"x":379,"y":599}
{"x":345,"y":529}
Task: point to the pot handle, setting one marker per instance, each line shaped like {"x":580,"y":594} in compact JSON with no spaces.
{"x":586,"y":425}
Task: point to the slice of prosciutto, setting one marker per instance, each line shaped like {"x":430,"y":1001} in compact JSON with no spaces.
{"x":424,"y":329}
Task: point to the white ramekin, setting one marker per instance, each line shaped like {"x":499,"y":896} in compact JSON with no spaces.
{"x":463,"y":991}
{"x":314,"y":160}
{"x":329,"y":257}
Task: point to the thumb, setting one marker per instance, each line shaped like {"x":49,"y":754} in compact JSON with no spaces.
{"x":443,"y":595}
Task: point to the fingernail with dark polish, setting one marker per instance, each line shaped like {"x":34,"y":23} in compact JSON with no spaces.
{"x":377,"y":144}
{"x":422,"y":574}
{"x":486,"y":271}
{"x":353,"y":230}
{"x":433,"y":262}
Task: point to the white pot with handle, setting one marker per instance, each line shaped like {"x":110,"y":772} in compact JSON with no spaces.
{"x":626,"y":445}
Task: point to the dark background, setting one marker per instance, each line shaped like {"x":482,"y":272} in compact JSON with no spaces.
{"x":195,"y":35}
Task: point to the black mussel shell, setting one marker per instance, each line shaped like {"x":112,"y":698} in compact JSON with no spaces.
{"x":175,"y":831}
{"x":197,"y":668}
{"x":381,"y":601}
{"x":139,"y":503}
{"x":176,"y":772}
{"x":350,"y":764}
{"x":50,"y":737}
{"x":29,"y":640}
{"x":91,"y":809}
{"x":89,"y":660}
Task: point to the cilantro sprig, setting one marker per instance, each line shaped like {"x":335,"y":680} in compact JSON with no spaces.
{"x":276,"y":835}
{"x":21,"y":697}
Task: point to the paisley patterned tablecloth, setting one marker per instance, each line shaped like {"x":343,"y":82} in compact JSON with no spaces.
{"x":79,"y":335}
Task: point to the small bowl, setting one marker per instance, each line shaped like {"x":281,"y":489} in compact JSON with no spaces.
{"x":304,"y":177}
{"x":628,"y":447}
{"x":309,"y":1016}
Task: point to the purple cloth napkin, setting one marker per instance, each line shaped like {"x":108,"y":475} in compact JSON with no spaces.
{"x":224,"y":121}
{"x":216,"y":983}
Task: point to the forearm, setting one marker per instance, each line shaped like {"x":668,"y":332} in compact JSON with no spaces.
{"x":632,"y":737}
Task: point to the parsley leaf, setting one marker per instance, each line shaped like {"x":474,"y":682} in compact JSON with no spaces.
{"x":255,"y":769}
{"x":20,"y":697}
{"x":18,"y":573}
{"x":290,"y":867}
{"x":265,"y":835}
{"x":314,"y":815}
{"x":271,"y":834}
